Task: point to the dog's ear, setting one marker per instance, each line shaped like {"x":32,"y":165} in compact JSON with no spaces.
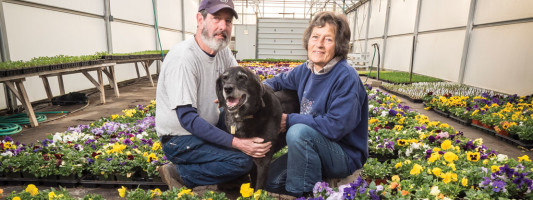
{"x":220,"y":90}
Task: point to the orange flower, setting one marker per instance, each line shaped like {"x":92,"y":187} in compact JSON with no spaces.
{"x":393,"y":185}
{"x":404,"y":192}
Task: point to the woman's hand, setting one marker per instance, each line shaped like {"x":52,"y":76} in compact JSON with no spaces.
{"x":254,"y":147}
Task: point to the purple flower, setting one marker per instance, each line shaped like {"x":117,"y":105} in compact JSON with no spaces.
{"x":45,"y":142}
{"x":78,"y":147}
{"x":373,"y":194}
{"x":140,"y":107}
{"x":89,"y":141}
{"x":485,"y":182}
{"x":498,"y":186}
{"x":392,"y":113}
{"x":127,"y":141}
{"x":109,"y":159}
{"x":431,"y":139}
{"x":93,"y":146}
{"x":8,"y":139}
{"x":90,"y":161}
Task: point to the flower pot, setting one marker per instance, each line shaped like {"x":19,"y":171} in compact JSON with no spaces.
{"x":487,"y":126}
{"x":49,"y":181}
{"x":378,"y":181}
{"x":69,"y":181}
{"x":502,"y":132}
{"x":476,"y":122}
{"x":123,"y":177}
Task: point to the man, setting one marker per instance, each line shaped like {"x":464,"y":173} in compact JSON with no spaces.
{"x":186,"y":118}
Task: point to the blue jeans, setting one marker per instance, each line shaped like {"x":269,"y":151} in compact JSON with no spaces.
{"x":311,"y":157}
{"x":203,"y":163}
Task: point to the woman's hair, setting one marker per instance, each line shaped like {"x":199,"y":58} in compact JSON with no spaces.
{"x":342,"y":31}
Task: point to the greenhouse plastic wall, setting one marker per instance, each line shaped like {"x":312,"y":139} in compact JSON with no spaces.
{"x":77,"y":27}
{"x":498,"y":47}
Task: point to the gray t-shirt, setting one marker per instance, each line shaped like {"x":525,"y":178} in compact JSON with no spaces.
{"x":188,"y":77}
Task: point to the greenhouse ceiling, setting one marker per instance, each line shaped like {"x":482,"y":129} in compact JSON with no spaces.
{"x":290,"y":8}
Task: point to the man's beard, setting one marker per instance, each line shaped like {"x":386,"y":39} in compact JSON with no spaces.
{"x":212,"y":42}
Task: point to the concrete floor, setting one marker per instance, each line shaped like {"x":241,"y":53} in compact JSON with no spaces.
{"x":141,"y":92}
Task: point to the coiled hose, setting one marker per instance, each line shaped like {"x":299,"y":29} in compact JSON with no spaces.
{"x":11,"y":124}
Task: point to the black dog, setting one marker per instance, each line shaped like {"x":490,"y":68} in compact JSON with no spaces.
{"x":254,"y":110}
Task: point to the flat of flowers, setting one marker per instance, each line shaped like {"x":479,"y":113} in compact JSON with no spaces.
{"x":510,"y":140}
{"x":402,"y":95}
{"x":485,"y":130}
{"x":465,"y":122}
{"x":442,"y":113}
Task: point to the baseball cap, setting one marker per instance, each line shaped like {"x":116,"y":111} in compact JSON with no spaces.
{"x":213,"y":6}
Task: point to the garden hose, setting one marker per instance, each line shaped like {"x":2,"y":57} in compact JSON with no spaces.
{"x":11,"y":124}
{"x":157,"y":30}
{"x":369,"y":73}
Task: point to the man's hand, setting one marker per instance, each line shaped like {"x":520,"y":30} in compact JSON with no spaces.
{"x":216,"y":101}
{"x":254,"y":147}
{"x":283,"y":126}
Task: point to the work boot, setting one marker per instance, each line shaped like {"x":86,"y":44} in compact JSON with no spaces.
{"x":170,"y":176}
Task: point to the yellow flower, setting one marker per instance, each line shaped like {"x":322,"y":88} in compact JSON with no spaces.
{"x":151,"y":157}
{"x":398,"y":127}
{"x":448,"y":176}
{"x":51,"y":195}
{"x":152,"y":102}
{"x":185,"y":192}
{"x":155,"y":192}
{"x":474,"y":157}
{"x":156,"y":146}
{"x":486,"y":161}
{"x":464,"y":181}
{"x":452,"y":166}
{"x":402,"y":142}
{"x":246,"y":191}
{"x":398,"y":165}
{"x":113,"y":117}
{"x":450,"y":157}
{"x":32,"y":190}
{"x":436,"y":171}
{"x":427,"y":108}
{"x":395,"y":178}
{"x":524,"y":158}
{"x":122,"y":192}
{"x":406,"y":162}
{"x":257,"y":194}
{"x":416,"y":169}
{"x":494,"y":168}
{"x":401,"y":120}
{"x":447,"y":144}
{"x":15,"y":198}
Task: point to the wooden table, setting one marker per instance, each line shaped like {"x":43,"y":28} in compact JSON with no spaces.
{"x":15,"y":84}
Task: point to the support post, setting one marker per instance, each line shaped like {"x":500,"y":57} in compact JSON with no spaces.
{"x":466,"y":45}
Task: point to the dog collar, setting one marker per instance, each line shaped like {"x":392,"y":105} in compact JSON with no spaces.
{"x":233,"y":128}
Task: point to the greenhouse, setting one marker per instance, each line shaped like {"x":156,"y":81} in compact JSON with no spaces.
{"x":266,"y":99}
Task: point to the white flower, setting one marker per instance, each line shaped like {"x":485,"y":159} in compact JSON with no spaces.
{"x":435,"y":191}
{"x":478,"y":141}
{"x":408,"y":151}
{"x":370,"y":106}
{"x":502,"y":157}
{"x":384,"y":113}
{"x":7,"y":153}
{"x":335,"y":196}
{"x":57,"y":137}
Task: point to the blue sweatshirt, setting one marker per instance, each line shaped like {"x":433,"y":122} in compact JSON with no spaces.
{"x":335,"y":104}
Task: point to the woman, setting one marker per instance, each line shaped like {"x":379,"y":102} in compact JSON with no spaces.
{"x":329,"y":137}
